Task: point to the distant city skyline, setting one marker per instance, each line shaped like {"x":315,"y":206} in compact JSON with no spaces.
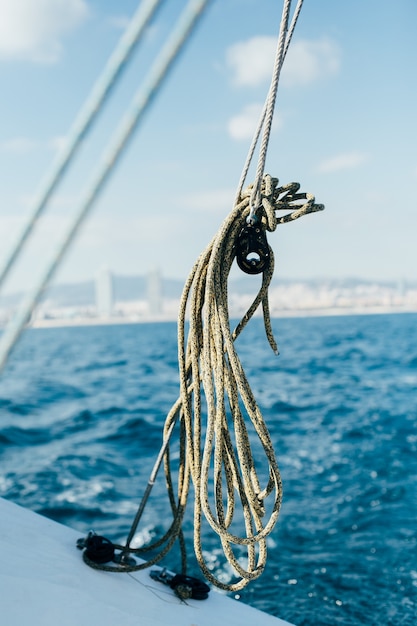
{"x":104,"y":292}
{"x":113,"y":299}
{"x":155,"y":292}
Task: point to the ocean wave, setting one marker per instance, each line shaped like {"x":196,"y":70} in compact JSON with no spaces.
{"x":81,"y":417}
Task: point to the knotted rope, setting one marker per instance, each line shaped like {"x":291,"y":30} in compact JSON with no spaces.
{"x":210,"y":367}
{"x":214,"y":436}
{"x":216,"y":410}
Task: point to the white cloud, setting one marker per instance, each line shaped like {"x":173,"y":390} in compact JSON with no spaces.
{"x":32,"y":29}
{"x":23,"y":145}
{"x":309,"y":60}
{"x":251,"y":61}
{"x":210,"y":201}
{"x":120,"y":22}
{"x":244,"y":124}
{"x":17,"y":145}
{"x":346,"y":161}
{"x":56,"y":144}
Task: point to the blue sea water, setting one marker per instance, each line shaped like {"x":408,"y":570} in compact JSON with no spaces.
{"x":81,"y":411}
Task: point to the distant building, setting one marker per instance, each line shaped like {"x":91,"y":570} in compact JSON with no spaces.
{"x":104,"y":293}
{"x":154,"y":292}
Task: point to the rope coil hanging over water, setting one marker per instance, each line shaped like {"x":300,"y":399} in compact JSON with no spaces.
{"x":218,"y":417}
{"x":210,"y":366}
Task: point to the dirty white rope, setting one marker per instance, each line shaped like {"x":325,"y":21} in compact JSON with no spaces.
{"x":215,"y":436}
{"x":218,"y":439}
{"x":210,"y":367}
{"x":225,"y":449}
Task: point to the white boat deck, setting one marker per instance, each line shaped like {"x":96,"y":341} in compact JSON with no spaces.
{"x":44,"y":581}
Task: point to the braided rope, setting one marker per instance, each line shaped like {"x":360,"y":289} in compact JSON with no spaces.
{"x":216,"y":403}
{"x":217,"y":412}
{"x":210,"y":368}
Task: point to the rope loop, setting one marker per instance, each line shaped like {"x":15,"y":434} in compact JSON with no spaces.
{"x":286,"y":198}
{"x":227,"y":451}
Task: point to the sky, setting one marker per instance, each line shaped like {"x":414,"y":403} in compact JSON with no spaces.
{"x":344,"y":128}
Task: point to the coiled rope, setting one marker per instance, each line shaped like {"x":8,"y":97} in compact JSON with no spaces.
{"x":214,"y":438}
{"x":217,"y":413}
{"x":210,"y":367}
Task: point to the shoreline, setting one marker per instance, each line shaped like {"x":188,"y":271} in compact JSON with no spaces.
{"x":298,"y":313}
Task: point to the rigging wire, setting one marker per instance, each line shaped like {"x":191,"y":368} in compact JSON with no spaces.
{"x":111,"y":155}
{"x":266,"y":117}
{"x":84,"y":122}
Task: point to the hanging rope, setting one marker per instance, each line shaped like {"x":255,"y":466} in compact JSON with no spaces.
{"x":214,"y":438}
{"x":237,"y":488}
{"x":210,"y":367}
